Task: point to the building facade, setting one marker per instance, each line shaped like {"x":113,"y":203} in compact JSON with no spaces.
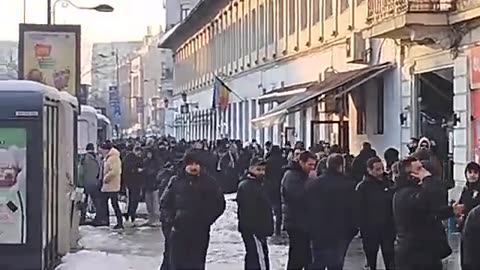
{"x":395,"y":71}
{"x":262,"y":47}
{"x":105,"y":59}
{"x":177,"y":11}
{"x":8,"y":60}
{"x":146,"y":80}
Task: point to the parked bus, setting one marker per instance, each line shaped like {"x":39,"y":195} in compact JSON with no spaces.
{"x":37,"y":174}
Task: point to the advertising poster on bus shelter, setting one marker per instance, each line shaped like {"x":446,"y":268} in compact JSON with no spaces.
{"x":50,"y":54}
{"x":13,"y":189}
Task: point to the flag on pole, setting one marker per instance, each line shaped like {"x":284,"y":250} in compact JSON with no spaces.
{"x":221,"y":94}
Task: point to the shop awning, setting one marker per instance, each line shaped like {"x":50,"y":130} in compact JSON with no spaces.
{"x":337,"y":84}
{"x":282,"y":94}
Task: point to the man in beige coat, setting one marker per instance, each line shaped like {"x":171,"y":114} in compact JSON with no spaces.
{"x":112,"y":171}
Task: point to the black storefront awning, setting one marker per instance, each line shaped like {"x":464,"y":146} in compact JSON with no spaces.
{"x":339,"y":84}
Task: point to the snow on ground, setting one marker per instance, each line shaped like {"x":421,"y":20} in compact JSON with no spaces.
{"x":141,"y":248}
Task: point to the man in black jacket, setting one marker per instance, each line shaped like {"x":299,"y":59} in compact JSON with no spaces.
{"x":375,"y":215}
{"x":274,"y":171}
{"x":418,"y":208}
{"x":163,"y":177}
{"x":471,"y":241}
{"x":255,"y":218}
{"x":192,"y":202}
{"x":294,"y":206}
{"x":331,"y":208}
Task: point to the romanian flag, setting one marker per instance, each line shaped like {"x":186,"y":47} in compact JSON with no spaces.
{"x":221,"y":94}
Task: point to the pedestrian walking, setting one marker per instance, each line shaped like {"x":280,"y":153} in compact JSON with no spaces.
{"x":192,"y":202}
{"x":331,"y":212}
{"x":375,"y":214}
{"x":255,"y":218}
{"x":294,"y":203}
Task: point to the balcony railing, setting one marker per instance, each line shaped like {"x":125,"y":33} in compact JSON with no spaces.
{"x":379,"y":10}
{"x":467,"y":4}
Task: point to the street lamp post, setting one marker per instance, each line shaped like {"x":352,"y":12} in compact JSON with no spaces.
{"x":51,"y":8}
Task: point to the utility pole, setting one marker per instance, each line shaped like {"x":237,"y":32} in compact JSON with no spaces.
{"x":49,"y":12}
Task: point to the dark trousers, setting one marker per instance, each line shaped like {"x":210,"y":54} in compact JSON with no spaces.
{"x":329,"y":255}
{"x":134,"y":197}
{"x":277,"y":213}
{"x":167,"y":230}
{"x":188,"y":249}
{"x":256,"y":257}
{"x":104,"y":212}
{"x":299,"y":252}
{"x":373,"y":241}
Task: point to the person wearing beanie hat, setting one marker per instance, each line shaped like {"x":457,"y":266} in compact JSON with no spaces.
{"x":192,"y":202}
{"x":255,"y":216}
{"x":89,"y":176}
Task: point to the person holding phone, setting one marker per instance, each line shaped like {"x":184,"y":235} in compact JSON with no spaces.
{"x":419,"y":208}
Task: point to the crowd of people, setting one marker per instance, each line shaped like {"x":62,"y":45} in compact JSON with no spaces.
{"x":320,"y":199}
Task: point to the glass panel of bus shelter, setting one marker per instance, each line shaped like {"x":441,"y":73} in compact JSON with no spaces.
{"x":13,"y":185}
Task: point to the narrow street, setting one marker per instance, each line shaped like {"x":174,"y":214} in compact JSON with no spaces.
{"x":141,"y":248}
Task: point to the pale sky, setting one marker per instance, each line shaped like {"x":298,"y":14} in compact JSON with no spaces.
{"x":129,"y":21}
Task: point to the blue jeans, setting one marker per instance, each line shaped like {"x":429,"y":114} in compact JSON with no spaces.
{"x":330,"y":256}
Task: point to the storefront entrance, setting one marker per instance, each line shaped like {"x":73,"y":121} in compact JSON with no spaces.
{"x":330,"y":131}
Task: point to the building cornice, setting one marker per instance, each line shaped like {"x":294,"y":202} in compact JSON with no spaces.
{"x":200,"y":16}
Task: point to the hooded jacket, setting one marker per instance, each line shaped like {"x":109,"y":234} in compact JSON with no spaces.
{"x":112,"y":171}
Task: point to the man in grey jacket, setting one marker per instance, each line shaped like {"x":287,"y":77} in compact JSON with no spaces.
{"x":90,"y":167}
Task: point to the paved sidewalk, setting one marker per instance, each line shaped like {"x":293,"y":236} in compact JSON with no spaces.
{"x":141,"y":248}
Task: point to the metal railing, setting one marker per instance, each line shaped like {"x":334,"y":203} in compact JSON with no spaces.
{"x":379,"y":10}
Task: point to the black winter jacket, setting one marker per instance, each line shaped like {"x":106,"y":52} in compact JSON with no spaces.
{"x":331,"y":208}
{"x":273,"y":177}
{"x":418,"y":212}
{"x":374,"y":205}
{"x":192,"y":203}
{"x":470,"y":197}
{"x":471,"y":240}
{"x":150,"y":172}
{"x":254,"y":210}
{"x":294,"y":203}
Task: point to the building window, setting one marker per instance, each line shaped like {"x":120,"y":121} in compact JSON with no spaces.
{"x":184,"y":10}
{"x":361,"y":110}
{"x":328,"y":8}
{"x":261,"y":30}
{"x":271,"y":26}
{"x":316,"y":11}
{"x":380,"y":106}
{"x":291,"y":17}
{"x":254,"y":29}
{"x":344,"y":5}
{"x":303,"y":14}
{"x":280,"y":18}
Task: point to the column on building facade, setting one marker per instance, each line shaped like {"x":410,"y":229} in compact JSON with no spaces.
{"x":246,"y":110}
{"x":253,"y":114}
{"x":229,"y":120}
{"x":270,"y":129}
{"x":234,"y":121}
{"x":241,"y":120}
{"x":261,"y":109}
